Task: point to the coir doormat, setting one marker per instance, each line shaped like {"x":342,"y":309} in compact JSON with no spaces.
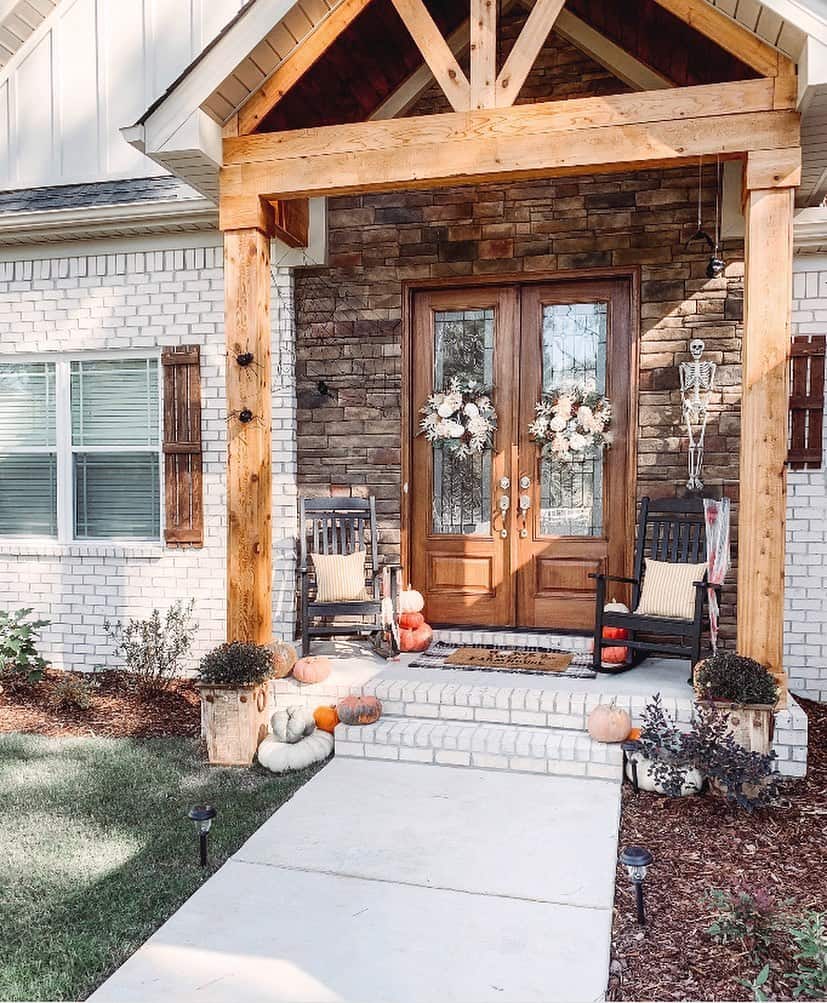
{"x":485,"y":658}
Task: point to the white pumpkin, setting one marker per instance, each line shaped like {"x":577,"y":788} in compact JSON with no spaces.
{"x":279,"y":757}
{"x":693,"y":780}
{"x":292,"y":724}
{"x":615,"y":607}
{"x":411,"y":601}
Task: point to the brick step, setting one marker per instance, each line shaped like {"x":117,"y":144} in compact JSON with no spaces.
{"x":515,"y":748}
{"x":504,"y":638}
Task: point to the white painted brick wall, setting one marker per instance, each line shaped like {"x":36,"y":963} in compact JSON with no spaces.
{"x":143,"y":300}
{"x":805,"y":606}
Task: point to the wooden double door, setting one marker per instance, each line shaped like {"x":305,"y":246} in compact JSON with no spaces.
{"x":510,"y":537}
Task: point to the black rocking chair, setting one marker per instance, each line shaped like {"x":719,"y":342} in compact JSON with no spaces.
{"x":340,"y":526}
{"x":671,"y":529}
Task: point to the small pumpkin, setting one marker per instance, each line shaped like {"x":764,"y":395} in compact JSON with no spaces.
{"x":326,"y":718}
{"x":609,"y":723}
{"x":313,"y":669}
{"x":614,"y":655}
{"x":415,"y":640}
{"x":634,"y":735}
{"x":616,"y":633}
{"x":411,"y":621}
{"x":279,"y":757}
{"x":411,"y":601}
{"x":284,"y":658}
{"x":359,"y":709}
{"x":292,"y":724}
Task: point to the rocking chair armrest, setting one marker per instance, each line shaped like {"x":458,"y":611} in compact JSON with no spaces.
{"x":613,"y":578}
{"x":708,"y":585}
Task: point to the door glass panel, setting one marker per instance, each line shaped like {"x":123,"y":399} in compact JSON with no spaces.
{"x":574,"y":352}
{"x":464,"y":347}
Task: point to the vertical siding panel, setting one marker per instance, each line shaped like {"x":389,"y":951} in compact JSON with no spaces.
{"x":77,"y":82}
{"x":170,"y":37}
{"x":5,"y":138}
{"x":214,"y":14}
{"x":34,"y":114}
{"x":122,"y":49}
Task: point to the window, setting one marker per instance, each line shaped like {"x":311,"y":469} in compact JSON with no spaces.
{"x":80,"y":449}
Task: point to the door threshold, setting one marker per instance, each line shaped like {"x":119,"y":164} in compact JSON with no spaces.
{"x":508,"y":637}
{"x":507,"y":629}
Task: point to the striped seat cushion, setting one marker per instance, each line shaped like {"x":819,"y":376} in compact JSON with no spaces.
{"x":669,"y":589}
{"x":340,"y":577}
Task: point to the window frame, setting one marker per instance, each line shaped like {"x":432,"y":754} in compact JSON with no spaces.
{"x":65,"y":450}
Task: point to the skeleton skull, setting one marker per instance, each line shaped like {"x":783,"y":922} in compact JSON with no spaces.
{"x":696,"y":349}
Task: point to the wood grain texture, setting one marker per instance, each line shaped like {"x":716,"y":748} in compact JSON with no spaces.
{"x":764,"y":409}
{"x":249,"y":474}
{"x":183,"y":461}
{"x":525,"y":51}
{"x":435,"y":52}
{"x":483,"y":53}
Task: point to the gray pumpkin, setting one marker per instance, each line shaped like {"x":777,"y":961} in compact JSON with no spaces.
{"x":292,"y":724}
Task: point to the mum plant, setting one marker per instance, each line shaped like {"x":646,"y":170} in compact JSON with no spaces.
{"x":236,"y":664}
{"x":736,"y":679}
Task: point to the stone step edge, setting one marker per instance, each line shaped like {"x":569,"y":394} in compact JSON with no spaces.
{"x":480,"y":746}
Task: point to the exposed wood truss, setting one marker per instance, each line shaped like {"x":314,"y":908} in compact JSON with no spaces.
{"x":436,"y":52}
{"x":621,"y":132}
{"x":526,"y":49}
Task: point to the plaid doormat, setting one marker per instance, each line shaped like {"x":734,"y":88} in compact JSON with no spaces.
{"x":435,"y":657}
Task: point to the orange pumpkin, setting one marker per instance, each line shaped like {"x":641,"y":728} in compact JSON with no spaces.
{"x":615,"y":633}
{"x":411,"y":621}
{"x":326,"y":718}
{"x":359,"y":710}
{"x":614,"y":656}
{"x":634,"y":735}
{"x":415,"y":640}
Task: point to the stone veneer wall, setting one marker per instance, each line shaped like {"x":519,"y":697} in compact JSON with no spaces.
{"x":805,"y":605}
{"x":95,"y":303}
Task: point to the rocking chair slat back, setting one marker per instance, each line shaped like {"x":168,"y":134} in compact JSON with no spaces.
{"x":338,"y":526}
{"x":669,"y":529}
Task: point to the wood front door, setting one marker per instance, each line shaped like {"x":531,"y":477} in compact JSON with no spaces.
{"x":510,"y":537}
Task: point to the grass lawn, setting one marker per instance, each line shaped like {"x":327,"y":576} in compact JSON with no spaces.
{"x":97,"y":850}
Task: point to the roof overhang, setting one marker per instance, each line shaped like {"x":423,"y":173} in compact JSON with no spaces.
{"x":182,"y":131}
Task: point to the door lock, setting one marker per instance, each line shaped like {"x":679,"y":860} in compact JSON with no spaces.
{"x":505,"y":483}
{"x":525,"y":482}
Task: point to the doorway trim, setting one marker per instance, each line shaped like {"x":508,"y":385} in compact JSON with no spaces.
{"x":410,"y":287}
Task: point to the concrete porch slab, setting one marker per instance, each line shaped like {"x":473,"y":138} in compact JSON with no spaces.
{"x":400,"y":883}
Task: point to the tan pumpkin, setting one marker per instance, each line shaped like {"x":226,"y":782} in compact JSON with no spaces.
{"x":359,"y":710}
{"x":609,"y":723}
{"x":326,"y":718}
{"x":313,"y":669}
{"x":284,"y":658}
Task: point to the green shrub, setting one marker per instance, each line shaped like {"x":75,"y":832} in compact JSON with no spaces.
{"x":746,"y":916}
{"x":809,"y":937}
{"x":153,"y":649}
{"x":736,"y":679}
{"x":71,"y":691}
{"x":236,"y":664}
{"x":19,"y":658}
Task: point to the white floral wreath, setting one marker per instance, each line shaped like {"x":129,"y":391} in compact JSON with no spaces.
{"x":460,"y":418}
{"x":572,"y":422}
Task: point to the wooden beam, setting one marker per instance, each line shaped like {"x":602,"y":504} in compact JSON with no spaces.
{"x":246,"y":212}
{"x":764,"y":404}
{"x":730,"y":35}
{"x":483,"y":53}
{"x":249,"y":448}
{"x":525,"y":51}
{"x":435,"y":52}
{"x":297,"y":63}
{"x":291,"y":223}
{"x":613,"y":133}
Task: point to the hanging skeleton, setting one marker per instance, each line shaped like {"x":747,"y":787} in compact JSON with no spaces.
{"x":697,"y":384}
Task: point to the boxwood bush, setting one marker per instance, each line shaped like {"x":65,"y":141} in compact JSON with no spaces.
{"x":236,"y":664}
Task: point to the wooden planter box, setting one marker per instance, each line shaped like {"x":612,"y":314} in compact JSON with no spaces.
{"x":235,"y":722}
{"x":751,"y":725}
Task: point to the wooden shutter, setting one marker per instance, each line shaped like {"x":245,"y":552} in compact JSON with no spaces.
{"x":182,"y":446}
{"x":806,"y":401}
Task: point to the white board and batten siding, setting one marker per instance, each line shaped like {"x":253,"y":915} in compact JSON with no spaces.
{"x":92,"y":67}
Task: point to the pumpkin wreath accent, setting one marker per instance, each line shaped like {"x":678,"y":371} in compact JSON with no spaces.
{"x":359,"y":710}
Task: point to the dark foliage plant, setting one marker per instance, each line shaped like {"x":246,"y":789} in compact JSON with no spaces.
{"x":236,"y":664}
{"x":746,"y":916}
{"x":736,"y":679}
{"x":743,"y":777}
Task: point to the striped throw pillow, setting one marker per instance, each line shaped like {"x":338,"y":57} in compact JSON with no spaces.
{"x":340,"y":577}
{"x":669,"y":590}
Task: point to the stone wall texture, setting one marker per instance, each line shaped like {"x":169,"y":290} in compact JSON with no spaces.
{"x":349,"y":314}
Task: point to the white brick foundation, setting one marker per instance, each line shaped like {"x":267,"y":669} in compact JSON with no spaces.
{"x":145,"y":300}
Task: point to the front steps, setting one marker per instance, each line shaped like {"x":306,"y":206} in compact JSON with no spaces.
{"x":515,"y":748}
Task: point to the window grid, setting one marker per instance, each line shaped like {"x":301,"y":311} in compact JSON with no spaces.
{"x":65,"y":450}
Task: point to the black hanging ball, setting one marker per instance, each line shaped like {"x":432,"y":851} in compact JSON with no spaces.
{"x":715,"y":268}
{"x":245,"y":416}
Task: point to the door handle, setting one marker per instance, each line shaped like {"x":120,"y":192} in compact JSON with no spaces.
{"x":524,"y":504}
{"x":504,"y":506}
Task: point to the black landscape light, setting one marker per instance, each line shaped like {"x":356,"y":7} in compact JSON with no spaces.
{"x":631,"y":749}
{"x":202,"y":815}
{"x":636,"y":860}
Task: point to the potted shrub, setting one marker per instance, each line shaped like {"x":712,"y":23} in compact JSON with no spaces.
{"x":662,"y":760}
{"x":745,"y":691}
{"x":233,"y":683}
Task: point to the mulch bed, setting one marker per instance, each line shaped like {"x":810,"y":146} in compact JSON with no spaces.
{"x":699,"y":843}
{"x":119,"y":708}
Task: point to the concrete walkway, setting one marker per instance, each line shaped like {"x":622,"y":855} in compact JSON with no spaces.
{"x":400,"y":883}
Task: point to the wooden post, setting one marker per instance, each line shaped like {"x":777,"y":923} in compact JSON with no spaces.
{"x":249,"y":453}
{"x":766,"y":348}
